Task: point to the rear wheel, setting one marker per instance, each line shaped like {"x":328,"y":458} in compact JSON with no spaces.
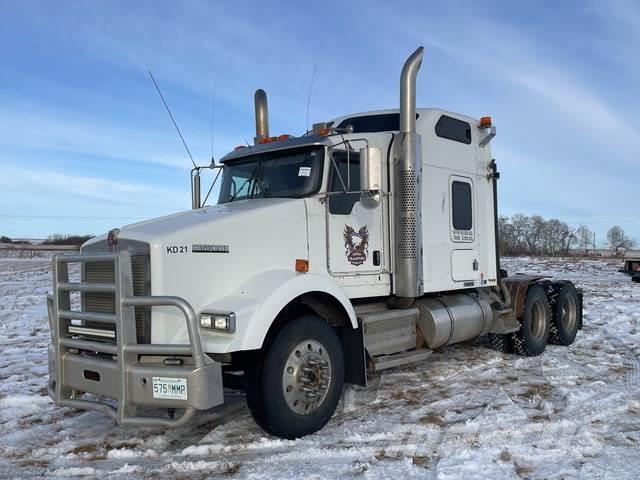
{"x":564,"y":315}
{"x":500,"y":342}
{"x":295,"y":388}
{"x":531,"y":339}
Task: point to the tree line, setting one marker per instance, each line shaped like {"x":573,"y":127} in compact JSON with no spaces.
{"x":55,"y":239}
{"x":524,"y":235}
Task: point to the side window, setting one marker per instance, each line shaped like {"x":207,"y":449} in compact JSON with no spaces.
{"x":453,"y":129}
{"x":383,"y":122}
{"x":462,"y":211}
{"x":347,"y":176}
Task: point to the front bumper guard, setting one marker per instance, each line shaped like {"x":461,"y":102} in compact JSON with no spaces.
{"x":113,"y":370}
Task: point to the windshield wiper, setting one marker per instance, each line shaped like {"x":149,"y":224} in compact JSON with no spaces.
{"x":258,"y":182}
{"x":251,"y":177}
{"x":255,"y":178}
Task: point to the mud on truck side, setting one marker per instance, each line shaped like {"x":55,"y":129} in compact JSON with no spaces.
{"x":363,"y":245}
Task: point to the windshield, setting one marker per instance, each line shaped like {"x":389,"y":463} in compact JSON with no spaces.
{"x":291,"y":173}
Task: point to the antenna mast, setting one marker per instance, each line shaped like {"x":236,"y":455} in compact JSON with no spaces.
{"x":315,"y":66}
{"x":172,"y":119}
{"x":213,"y":112}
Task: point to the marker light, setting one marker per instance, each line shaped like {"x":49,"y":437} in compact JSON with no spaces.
{"x":302,"y":266}
{"x":485,"y":122}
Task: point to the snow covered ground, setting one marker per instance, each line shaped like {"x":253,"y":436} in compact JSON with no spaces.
{"x":467,"y":412}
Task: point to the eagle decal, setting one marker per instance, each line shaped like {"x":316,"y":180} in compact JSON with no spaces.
{"x":356,"y":245}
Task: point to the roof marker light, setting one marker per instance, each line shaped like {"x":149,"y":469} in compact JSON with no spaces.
{"x":485,"y":122}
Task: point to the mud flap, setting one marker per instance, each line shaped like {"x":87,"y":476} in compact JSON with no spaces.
{"x":355,"y":360}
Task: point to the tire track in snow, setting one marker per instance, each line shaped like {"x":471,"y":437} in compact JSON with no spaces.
{"x":630,"y":360}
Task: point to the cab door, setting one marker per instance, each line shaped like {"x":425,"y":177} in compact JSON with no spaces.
{"x":465,"y":259}
{"x":354,"y":233}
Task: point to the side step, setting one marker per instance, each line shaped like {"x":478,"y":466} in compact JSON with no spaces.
{"x":389,"y":361}
{"x":390,"y":336}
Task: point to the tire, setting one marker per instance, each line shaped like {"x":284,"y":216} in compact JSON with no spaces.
{"x":500,"y":342}
{"x":275,"y":393}
{"x":564,"y":314}
{"x":531,"y":339}
{"x":635,"y":279}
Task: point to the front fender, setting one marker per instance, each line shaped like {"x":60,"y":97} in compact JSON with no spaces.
{"x":258,"y":302}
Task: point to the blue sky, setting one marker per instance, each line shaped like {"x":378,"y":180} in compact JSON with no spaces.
{"x":85,"y":144}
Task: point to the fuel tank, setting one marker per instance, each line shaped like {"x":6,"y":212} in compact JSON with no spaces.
{"x":453,"y":318}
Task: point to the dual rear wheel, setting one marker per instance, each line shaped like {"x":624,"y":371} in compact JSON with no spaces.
{"x":551,"y":315}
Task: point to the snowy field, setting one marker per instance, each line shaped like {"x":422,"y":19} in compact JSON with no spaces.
{"x":467,"y":412}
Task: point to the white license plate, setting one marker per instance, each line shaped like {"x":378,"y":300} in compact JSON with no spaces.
{"x":170,"y":388}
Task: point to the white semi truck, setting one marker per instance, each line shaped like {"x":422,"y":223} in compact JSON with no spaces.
{"x":365,"y":244}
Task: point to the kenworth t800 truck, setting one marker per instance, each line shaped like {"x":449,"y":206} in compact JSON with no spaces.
{"x":365,"y":244}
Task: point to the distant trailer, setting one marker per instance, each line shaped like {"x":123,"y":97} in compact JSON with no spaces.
{"x":632,"y":268}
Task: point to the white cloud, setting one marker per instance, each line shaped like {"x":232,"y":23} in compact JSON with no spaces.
{"x":44,"y":183}
{"x":35,"y":126}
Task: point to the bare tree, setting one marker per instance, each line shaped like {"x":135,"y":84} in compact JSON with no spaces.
{"x":584,"y":237}
{"x":508,"y":236}
{"x":556,"y":237}
{"x":618,"y":242}
{"x":520,"y":235}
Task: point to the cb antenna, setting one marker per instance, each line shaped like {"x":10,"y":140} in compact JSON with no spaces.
{"x":172,"y":119}
{"x":213,"y":113}
{"x":315,"y":66}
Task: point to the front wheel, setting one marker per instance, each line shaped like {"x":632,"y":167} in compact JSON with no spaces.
{"x":295,"y":388}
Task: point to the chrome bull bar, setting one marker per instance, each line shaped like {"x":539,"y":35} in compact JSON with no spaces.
{"x":114,"y":370}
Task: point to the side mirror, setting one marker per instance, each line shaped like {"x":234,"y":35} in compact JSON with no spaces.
{"x":195,"y":189}
{"x":370,"y":169}
{"x":370,"y":176}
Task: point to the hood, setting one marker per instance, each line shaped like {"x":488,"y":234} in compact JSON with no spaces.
{"x":156,"y":230}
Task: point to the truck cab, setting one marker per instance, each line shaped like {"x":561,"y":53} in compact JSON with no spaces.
{"x":365,"y":244}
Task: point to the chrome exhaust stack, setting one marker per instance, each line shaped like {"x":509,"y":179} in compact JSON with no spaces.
{"x":262,"y":116}
{"x":408,"y":276}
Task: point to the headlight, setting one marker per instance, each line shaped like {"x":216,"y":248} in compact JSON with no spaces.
{"x":225,"y":322}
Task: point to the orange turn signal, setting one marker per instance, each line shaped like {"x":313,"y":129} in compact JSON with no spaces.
{"x":485,"y":121}
{"x":324,"y":131}
{"x":284,"y":137}
{"x":302,"y":266}
{"x":240,"y":147}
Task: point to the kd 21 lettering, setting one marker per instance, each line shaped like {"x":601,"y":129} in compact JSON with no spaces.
{"x":177,"y":249}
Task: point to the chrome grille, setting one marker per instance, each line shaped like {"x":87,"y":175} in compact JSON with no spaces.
{"x":103,"y":272}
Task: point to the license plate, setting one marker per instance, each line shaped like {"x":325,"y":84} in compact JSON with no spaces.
{"x":170,"y":388}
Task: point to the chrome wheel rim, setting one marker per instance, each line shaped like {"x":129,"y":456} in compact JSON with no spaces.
{"x":538,"y":321}
{"x":306,"y":377}
{"x":569,"y":313}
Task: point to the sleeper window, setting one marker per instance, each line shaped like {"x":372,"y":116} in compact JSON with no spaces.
{"x":461,"y":205}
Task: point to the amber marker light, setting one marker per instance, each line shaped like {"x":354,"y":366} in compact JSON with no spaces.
{"x":485,"y":122}
{"x":302,"y":266}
